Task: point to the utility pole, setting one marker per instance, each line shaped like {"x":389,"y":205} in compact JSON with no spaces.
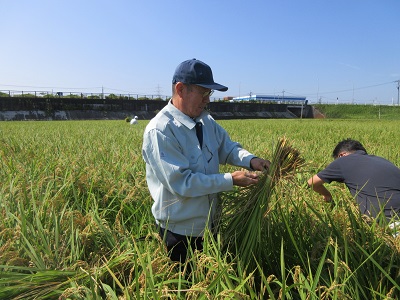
{"x":398,"y":88}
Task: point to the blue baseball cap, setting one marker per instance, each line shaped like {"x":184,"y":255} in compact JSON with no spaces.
{"x":194,"y":71}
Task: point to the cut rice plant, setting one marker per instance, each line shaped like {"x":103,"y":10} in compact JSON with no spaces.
{"x":243,"y":218}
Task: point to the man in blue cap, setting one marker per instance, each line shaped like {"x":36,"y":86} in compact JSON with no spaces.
{"x":183,"y":147}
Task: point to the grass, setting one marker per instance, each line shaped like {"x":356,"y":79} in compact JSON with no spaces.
{"x":359,"y":111}
{"x":76,"y":221}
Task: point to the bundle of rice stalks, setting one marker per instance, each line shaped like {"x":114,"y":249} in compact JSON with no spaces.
{"x":243,"y":218}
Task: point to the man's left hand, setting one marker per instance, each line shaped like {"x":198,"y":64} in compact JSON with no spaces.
{"x":259,"y":164}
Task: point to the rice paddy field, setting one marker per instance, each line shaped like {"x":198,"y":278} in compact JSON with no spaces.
{"x":75,"y":220}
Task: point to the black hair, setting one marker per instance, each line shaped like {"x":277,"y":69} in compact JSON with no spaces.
{"x":347,"y":145}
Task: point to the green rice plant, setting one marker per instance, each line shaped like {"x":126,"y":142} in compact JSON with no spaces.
{"x":32,"y":283}
{"x":74,"y":203}
{"x":244,"y":218}
{"x":306,"y":228}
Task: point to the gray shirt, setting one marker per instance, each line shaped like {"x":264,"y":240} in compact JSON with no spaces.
{"x":372,"y":180}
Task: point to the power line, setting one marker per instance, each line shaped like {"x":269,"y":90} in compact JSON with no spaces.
{"x":123,"y":91}
{"x":319,"y":93}
{"x":102,"y":88}
{"x":337,"y":91}
{"x":51,"y":87}
{"x":352,"y":89}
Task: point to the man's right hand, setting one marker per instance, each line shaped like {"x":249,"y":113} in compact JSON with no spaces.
{"x":244,"y":178}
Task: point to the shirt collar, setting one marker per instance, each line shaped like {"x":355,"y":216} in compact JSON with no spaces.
{"x":182,"y":118}
{"x":362,"y":152}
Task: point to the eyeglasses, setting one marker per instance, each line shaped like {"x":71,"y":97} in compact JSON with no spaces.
{"x":208,"y":93}
{"x":205,"y":94}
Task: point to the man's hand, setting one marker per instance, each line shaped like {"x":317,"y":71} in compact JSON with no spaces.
{"x":327,"y":198}
{"x":244,"y":178}
{"x":259,"y":164}
{"x":317,"y":185}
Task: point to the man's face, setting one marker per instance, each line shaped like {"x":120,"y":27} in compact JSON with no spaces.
{"x":195,"y":100}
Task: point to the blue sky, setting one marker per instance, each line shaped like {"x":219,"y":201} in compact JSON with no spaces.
{"x":337,"y":51}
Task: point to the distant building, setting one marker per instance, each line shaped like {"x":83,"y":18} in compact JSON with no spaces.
{"x":228,"y":98}
{"x":272,"y":98}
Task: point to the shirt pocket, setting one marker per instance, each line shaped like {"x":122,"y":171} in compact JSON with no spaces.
{"x":209,"y":153}
{"x":194,"y":155}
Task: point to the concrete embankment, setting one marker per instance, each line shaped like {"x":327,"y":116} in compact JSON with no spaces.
{"x":13,"y":109}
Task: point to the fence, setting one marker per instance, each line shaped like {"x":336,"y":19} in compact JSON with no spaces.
{"x":81,"y":95}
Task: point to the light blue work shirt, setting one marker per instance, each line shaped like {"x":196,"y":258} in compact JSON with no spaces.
{"x":184,"y":179}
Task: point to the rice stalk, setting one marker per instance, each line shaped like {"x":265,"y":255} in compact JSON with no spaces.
{"x":244,"y":219}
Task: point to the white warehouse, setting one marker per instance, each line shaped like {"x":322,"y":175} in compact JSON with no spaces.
{"x":273,"y":98}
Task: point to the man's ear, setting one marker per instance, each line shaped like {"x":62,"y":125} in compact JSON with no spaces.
{"x":179,"y":87}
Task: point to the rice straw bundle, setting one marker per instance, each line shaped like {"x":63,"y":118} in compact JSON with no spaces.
{"x":243,"y":218}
